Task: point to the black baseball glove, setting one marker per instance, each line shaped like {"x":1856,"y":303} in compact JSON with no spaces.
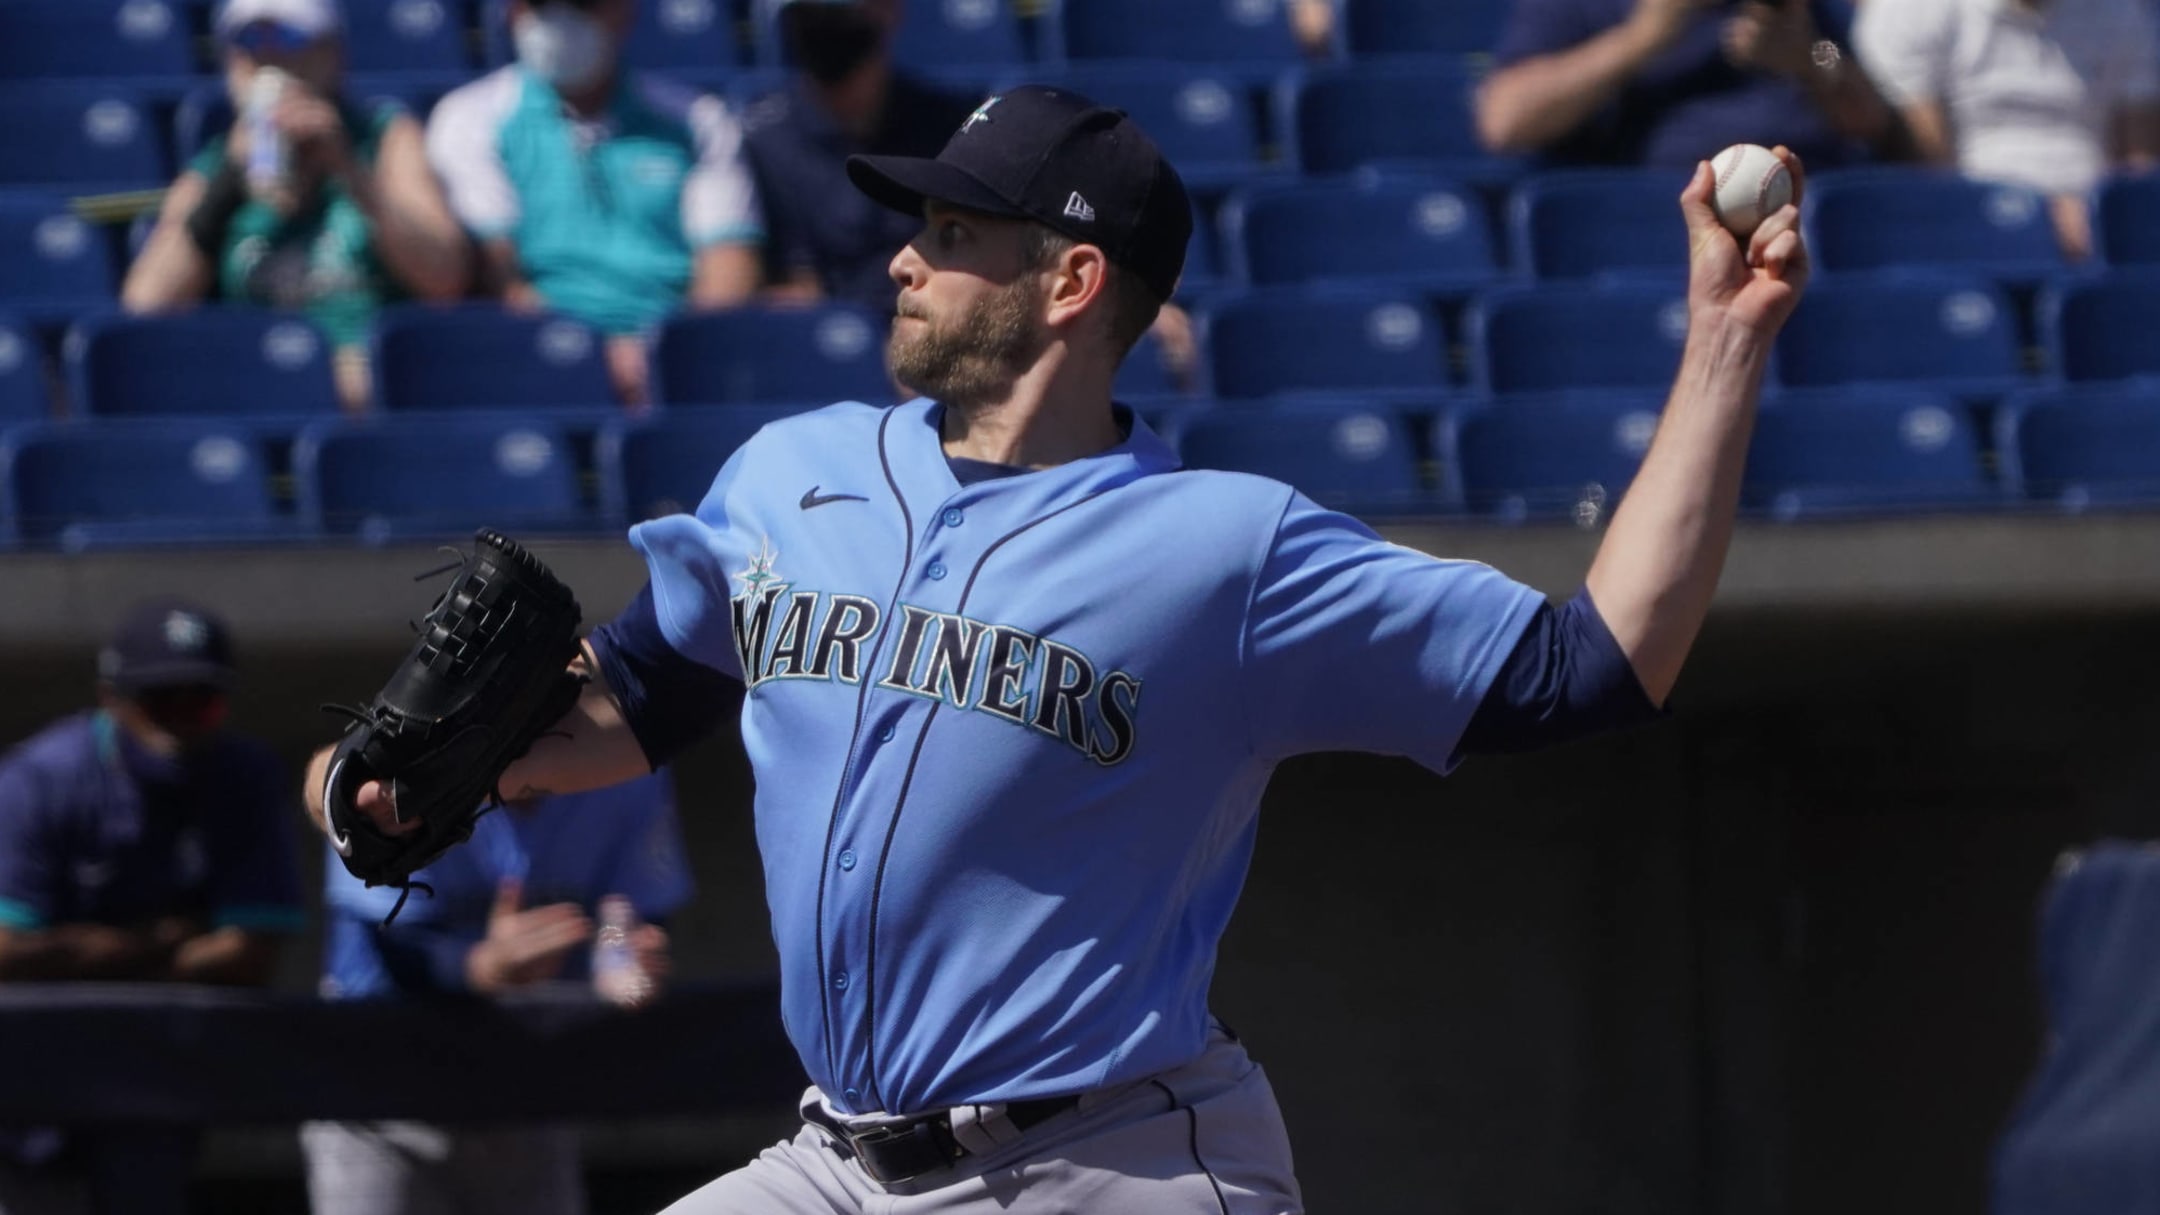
{"x":489,"y":674}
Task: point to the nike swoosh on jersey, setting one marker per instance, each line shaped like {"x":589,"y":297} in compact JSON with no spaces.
{"x":811,"y":500}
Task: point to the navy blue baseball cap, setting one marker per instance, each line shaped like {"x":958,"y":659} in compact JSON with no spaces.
{"x":166,"y":642}
{"x":1055,"y":157}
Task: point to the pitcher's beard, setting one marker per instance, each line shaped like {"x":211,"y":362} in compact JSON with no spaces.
{"x":976,"y":360}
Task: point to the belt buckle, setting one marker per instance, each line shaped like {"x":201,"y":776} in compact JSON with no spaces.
{"x":881,"y":1134}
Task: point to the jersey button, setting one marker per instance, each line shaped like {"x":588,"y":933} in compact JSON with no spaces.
{"x":952,"y":516}
{"x":847,"y":858}
{"x":936,"y":571}
{"x":852,"y":1095}
{"x":839,"y":981}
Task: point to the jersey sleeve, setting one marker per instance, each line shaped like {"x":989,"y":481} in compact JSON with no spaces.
{"x":720,"y":199}
{"x":652,"y":867}
{"x":690,"y":558}
{"x":464,"y":148}
{"x":254,"y":867}
{"x":29,"y":866}
{"x":1355,"y":644}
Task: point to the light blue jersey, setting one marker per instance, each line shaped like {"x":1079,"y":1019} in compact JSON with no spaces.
{"x":1010,"y":737}
{"x":576,"y":848}
{"x":605,"y":214}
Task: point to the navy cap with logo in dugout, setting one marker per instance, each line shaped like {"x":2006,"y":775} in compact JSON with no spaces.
{"x":1055,"y":157}
{"x":166,"y":642}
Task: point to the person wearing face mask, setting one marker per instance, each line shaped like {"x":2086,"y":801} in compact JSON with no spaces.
{"x":847,"y":97}
{"x":336,"y":219}
{"x":140,"y":841}
{"x":597,"y":191}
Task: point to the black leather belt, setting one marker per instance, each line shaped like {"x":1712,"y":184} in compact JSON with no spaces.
{"x":903,"y":1151}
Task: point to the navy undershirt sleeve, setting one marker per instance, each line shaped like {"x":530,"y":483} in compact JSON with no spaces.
{"x":669,"y":701}
{"x":1566,"y":678}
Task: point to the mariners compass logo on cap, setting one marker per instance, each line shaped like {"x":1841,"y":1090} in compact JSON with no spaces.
{"x":981,"y":114}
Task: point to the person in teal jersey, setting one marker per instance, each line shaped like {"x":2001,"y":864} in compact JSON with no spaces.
{"x":596,"y":191}
{"x":357,"y":221}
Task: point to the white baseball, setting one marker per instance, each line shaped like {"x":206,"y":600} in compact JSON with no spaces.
{"x":1752,"y":184}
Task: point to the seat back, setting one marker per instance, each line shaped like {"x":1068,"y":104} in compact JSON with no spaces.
{"x":1290,"y":340}
{"x":834,"y":352}
{"x":209,"y":361}
{"x":1561,"y":338}
{"x":483,"y":357}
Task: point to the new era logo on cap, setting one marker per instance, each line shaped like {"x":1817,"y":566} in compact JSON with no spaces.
{"x":1077,"y":207}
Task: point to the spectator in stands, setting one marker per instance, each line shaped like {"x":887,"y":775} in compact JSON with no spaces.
{"x":357,"y":222}
{"x":2037,"y":93}
{"x":1671,"y":82}
{"x":515,"y":906}
{"x":846,"y":96}
{"x":140,"y":841}
{"x":594,"y":190}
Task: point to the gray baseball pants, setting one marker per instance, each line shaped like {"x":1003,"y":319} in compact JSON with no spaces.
{"x":1202,"y":1139}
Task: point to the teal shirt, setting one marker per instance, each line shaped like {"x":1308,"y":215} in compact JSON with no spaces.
{"x":320,"y":261}
{"x":607,"y":215}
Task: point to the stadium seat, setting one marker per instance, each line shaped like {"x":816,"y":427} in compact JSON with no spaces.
{"x":1288,"y":340}
{"x":2084,"y":448}
{"x":2129,"y":221}
{"x":209,"y":361}
{"x":1424,"y":27}
{"x":1877,"y":219}
{"x":1344,"y":455}
{"x":664,"y":464}
{"x":1867,"y":450}
{"x":960,"y":33}
{"x":1585,"y":224}
{"x":1430,"y":236}
{"x":86,"y":137}
{"x":142,"y":40}
{"x":778,"y":356}
{"x":1144,"y":379}
{"x":84,"y":485}
{"x":1205,"y":121}
{"x":22,"y":375}
{"x":1959,"y":334}
{"x":385,"y":479}
{"x":1548,"y":458}
{"x":482,"y":357}
{"x":2102,"y":329}
{"x":691,"y":39}
{"x":1254,"y":33}
{"x":1555,"y":339}
{"x":53,"y":265}
{"x":406,"y":36}
{"x":1411,"y":110}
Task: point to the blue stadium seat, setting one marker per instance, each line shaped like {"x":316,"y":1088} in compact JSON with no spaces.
{"x":1253,"y":33}
{"x":444,"y":475}
{"x":1958,"y":334}
{"x":1344,"y":455}
{"x":144,"y":40}
{"x":1424,"y":27}
{"x":1432,"y":236}
{"x":1144,"y":380}
{"x":955,"y":33}
{"x":778,"y":356}
{"x":1865,"y":450}
{"x":52,"y":264}
{"x":209,"y":361}
{"x":2102,"y":329}
{"x":1568,"y":457}
{"x":2084,"y":448}
{"x":406,"y":36}
{"x":663,"y":465}
{"x":482,"y":357}
{"x":690,"y":39}
{"x":1877,"y":219}
{"x":22,"y":374}
{"x":1205,"y":121}
{"x":2129,"y":221}
{"x":84,"y":136}
{"x":1289,"y":340}
{"x":1337,"y":119}
{"x":1584,"y":224}
{"x":1556,"y":339}
{"x":88,"y":485}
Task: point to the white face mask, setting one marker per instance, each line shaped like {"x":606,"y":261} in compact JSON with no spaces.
{"x":562,"y":46}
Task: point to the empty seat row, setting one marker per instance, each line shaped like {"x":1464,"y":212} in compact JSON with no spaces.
{"x":88,"y":485}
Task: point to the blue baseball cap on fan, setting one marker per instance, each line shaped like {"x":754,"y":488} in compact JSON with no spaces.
{"x":166,"y":642}
{"x":1055,"y":157}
